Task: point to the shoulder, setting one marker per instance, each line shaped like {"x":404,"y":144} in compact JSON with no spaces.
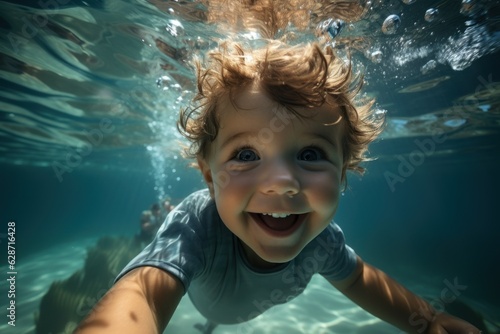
{"x":195,"y":219}
{"x":196,"y":207}
{"x":331,"y":238}
{"x":336,"y":260}
{"x":183,"y":241}
{"x":196,"y":202}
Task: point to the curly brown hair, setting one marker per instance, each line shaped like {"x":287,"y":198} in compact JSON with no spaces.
{"x":294,"y":76}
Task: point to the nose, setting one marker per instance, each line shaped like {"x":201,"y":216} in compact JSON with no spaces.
{"x":280,"y":179}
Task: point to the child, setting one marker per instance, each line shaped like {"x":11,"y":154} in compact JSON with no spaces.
{"x":274,"y":132}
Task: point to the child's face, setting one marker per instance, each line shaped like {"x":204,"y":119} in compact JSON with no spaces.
{"x":266,"y":160}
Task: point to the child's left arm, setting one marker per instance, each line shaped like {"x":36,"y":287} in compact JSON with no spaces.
{"x":383,"y":297}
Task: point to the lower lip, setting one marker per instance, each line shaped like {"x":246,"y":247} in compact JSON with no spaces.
{"x":279,"y":234}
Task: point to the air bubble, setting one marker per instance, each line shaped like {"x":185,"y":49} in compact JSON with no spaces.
{"x":429,"y":66}
{"x":376,"y":56}
{"x":431,"y":14}
{"x":391,"y":24}
{"x":380,"y":114}
{"x":162,"y":81}
{"x":329,"y":29}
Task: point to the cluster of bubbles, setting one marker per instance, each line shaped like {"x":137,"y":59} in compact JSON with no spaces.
{"x":392,"y":22}
{"x":160,"y":125}
{"x":327,"y":30}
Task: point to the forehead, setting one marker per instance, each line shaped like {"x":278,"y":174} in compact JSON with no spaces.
{"x":253,"y":108}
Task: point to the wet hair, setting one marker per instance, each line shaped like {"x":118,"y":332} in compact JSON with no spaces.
{"x":302,"y":76}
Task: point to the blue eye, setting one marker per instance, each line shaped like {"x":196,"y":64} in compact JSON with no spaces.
{"x":311,"y":154}
{"x":246,"y":155}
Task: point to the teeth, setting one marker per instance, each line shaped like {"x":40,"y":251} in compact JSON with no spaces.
{"x":277,"y":215}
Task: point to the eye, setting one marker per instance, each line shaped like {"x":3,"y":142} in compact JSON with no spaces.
{"x":246,"y":154}
{"x":312,"y":154}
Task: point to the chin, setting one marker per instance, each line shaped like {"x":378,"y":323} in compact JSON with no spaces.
{"x":279,"y":255}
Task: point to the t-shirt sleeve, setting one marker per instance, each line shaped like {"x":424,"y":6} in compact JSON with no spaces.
{"x":342,"y":259}
{"x":177,"y":247}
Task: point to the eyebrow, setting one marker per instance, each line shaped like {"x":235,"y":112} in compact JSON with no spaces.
{"x":335,"y":143}
{"x":312,"y":135}
{"x":235,"y":137}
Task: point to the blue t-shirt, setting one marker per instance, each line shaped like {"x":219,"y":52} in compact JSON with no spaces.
{"x":194,"y":245}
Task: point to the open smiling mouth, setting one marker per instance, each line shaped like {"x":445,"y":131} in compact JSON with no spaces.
{"x":278,"y":224}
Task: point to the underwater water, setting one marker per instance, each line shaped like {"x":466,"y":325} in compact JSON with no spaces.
{"x":89,"y":98}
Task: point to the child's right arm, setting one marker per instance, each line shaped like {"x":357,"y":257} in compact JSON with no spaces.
{"x":142,"y":301}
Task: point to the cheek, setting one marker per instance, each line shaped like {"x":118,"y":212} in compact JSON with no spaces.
{"x":328,"y":196}
{"x":238,"y":182}
{"x":324,"y":189}
{"x":232,"y":190}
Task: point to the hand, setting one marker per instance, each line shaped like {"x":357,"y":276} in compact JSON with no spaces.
{"x":446,"y":324}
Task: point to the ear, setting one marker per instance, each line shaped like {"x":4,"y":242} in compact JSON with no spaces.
{"x":207,"y":175}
